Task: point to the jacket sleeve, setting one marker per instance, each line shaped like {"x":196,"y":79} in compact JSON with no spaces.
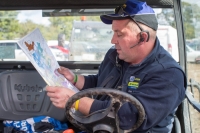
{"x":90,"y":81}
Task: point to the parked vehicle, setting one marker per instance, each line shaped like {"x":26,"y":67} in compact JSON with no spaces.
{"x":192,"y":55}
{"x":168,"y":39}
{"x":89,"y":40}
{"x":53,"y":44}
{"x":10,"y":51}
{"x":194,"y":43}
{"x":61,"y":50}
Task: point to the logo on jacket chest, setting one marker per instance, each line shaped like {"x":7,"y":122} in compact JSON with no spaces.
{"x":133,"y":82}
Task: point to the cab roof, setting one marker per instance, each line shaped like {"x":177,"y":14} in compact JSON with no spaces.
{"x":72,"y":4}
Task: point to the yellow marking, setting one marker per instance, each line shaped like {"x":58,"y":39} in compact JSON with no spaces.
{"x":133,"y":84}
{"x":137,"y":79}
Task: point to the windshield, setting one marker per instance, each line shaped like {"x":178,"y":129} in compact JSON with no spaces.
{"x":90,"y":40}
{"x":72,"y":38}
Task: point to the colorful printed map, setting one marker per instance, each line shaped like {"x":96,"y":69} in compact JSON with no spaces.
{"x":35,"y":47}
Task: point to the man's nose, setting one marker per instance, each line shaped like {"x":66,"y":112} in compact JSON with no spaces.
{"x":113,"y":40}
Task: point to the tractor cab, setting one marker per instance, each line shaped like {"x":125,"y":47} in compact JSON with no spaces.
{"x":22,"y":89}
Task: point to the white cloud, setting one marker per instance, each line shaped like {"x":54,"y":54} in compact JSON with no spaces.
{"x":157,"y":10}
{"x":33,"y":15}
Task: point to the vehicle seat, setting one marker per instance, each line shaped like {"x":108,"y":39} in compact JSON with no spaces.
{"x":22,"y":96}
{"x":176,"y":125}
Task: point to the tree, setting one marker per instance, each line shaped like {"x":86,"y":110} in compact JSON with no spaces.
{"x":191,"y":19}
{"x":28,"y":26}
{"x":195,"y":20}
{"x":188,"y":20}
{"x":64,"y":24}
{"x":166,"y":17}
{"x":9,"y":25}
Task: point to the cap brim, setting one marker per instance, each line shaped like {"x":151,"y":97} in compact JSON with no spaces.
{"x":107,"y":19}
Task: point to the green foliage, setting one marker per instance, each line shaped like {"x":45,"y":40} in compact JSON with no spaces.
{"x":11,"y":28}
{"x":191,"y":18}
{"x":26,"y":27}
{"x":9,"y":25}
{"x":167,"y":17}
{"x":187,"y":19}
{"x":64,"y":25}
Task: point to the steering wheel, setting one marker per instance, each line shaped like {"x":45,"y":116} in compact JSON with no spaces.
{"x":105,"y":120}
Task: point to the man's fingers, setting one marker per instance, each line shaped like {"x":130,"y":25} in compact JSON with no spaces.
{"x":52,"y":95}
{"x":64,"y":71}
{"x":54,"y":99}
{"x":51,"y":89}
{"x":58,"y":105}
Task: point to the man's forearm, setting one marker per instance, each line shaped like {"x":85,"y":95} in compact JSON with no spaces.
{"x":80,"y":82}
{"x":85,"y":105}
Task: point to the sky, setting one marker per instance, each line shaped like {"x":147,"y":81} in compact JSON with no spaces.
{"x":36,"y":17}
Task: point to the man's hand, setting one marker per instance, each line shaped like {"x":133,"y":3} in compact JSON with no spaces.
{"x":68,"y":74}
{"x":59,"y":95}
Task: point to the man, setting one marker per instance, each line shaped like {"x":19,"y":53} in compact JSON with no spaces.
{"x":138,"y":57}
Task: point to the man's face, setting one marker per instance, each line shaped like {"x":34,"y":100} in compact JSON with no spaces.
{"x":124,"y":37}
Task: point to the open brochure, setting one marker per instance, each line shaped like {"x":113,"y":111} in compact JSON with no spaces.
{"x":38,"y":52}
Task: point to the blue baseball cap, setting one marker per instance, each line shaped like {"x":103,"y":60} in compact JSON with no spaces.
{"x":137,"y":10}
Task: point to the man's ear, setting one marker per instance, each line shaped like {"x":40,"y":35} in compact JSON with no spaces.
{"x":144,"y":36}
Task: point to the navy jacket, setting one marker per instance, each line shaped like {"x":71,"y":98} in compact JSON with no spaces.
{"x":159,"y":84}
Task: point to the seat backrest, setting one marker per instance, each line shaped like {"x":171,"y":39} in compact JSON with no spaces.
{"x":176,"y":125}
{"x":22,"y":96}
